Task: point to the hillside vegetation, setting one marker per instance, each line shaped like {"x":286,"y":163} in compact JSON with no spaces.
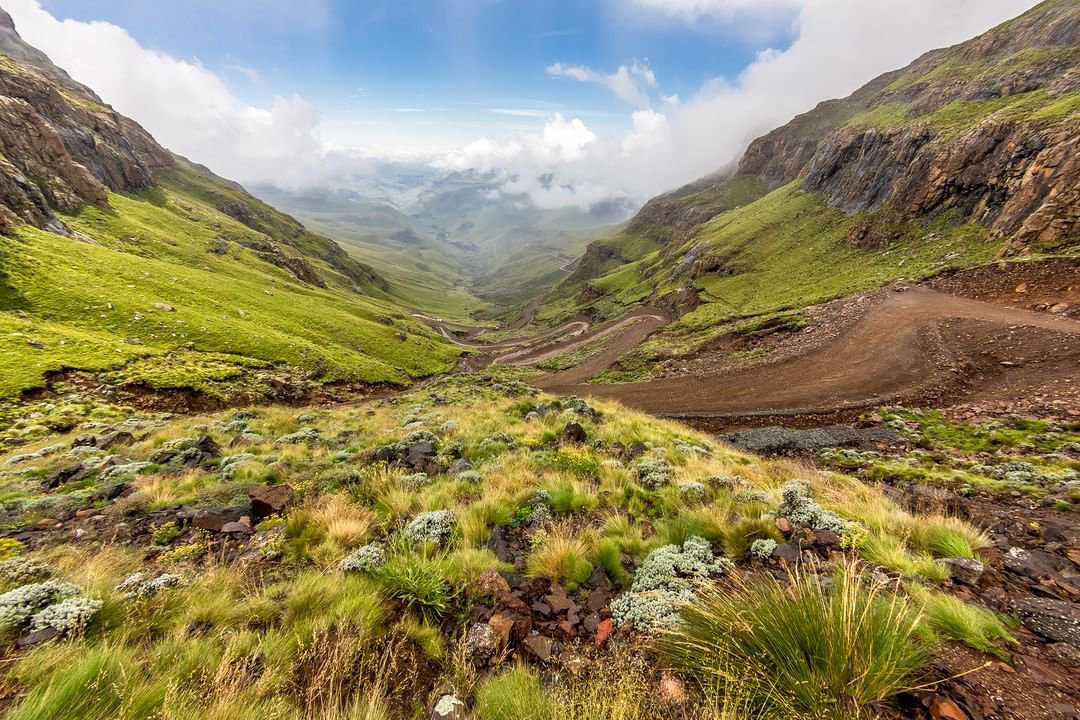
{"x":346,"y":563}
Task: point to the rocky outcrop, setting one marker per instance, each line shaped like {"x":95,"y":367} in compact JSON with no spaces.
{"x":1016,"y":172}
{"x":61,"y":147}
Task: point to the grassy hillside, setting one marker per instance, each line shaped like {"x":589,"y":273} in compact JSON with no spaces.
{"x":165,"y":270}
{"x":366,"y":591}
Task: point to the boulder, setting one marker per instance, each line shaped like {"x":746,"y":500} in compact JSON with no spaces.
{"x":420,"y":456}
{"x":119,"y":438}
{"x":965,"y":570}
{"x":267,"y":500}
{"x":1055,"y":620}
{"x":215,"y":519}
{"x":574,"y":433}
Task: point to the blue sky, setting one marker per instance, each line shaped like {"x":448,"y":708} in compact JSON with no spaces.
{"x":454,"y":59}
{"x":570,"y":103}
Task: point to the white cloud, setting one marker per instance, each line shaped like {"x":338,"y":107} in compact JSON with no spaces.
{"x":650,"y":129}
{"x":185,"y":106}
{"x":725,"y":8}
{"x":630,"y":83}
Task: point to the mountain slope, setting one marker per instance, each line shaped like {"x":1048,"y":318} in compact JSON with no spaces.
{"x":118,"y":256}
{"x":969,"y":153}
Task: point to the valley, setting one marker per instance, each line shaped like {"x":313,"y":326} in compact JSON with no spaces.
{"x":799,"y":439}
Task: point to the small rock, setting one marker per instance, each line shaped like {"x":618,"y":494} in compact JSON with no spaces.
{"x":482,"y":643}
{"x":236,"y":528}
{"x":574,"y":433}
{"x":1059,"y":308}
{"x":164,"y":307}
{"x":116,"y":439}
{"x":786,"y":553}
{"x":490,"y":584}
{"x":503,"y":625}
{"x":965,"y":570}
{"x":459,"y":466}
{"x":1064,"y":654}
{"x":1055,"y":620}
{"x":540,"y":646}
{"x":604,"y":631}
{"x":36,"y":637}
{"x":784,"y":525}
{"x":945,"y":709}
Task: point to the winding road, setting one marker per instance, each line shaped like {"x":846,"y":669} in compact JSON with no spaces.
{"x":918,"y":345}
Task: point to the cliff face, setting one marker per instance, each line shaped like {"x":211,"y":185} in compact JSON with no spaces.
{"x":61,"y":147}
{"x":988,"y":130}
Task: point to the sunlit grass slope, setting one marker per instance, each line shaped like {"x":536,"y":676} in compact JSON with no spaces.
{"x":166,"y":270}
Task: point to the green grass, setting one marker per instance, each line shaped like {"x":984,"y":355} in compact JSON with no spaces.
{"x":92,"y":305}
{"x":513,"y":695}
{"x":799,"y":649}
{"x":950,"y":617}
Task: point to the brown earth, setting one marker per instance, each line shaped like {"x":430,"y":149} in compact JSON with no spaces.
{"x":915,"y":346}
{"x":1010,"y":344}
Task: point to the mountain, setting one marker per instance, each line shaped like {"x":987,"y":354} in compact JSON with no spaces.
{"x":968,"y":154}
{"x":122,"y":259}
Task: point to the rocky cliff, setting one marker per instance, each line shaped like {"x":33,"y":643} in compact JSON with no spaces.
{"x":61,"y":146}
{"x":987,"y":131}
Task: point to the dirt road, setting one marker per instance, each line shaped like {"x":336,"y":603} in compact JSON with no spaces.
{"x":918,"y":346}
{"x":913,"y":345}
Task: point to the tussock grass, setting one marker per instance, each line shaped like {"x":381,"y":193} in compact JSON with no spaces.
{"x":799,"y":649}
{"x":513,"y":695}
{"x":563,"y":557}
{"x":950,"y":617}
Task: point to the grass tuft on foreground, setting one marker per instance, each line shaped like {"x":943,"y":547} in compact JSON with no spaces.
{"x":801,"y":649}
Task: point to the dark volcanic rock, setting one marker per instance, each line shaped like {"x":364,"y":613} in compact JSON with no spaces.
{"x":776,"y":440}
{"x":1055,"y":620}
{"x":574,"y":433}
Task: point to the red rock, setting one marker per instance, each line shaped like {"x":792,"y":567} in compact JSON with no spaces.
{"x":604,"y":631}
{"x":945,"y":709}
{"x":269,"y":500}
{"x":783,"y":525}
{"x":502,"y":625}
{"x":567,"y":629}
{"x":672,"y":689}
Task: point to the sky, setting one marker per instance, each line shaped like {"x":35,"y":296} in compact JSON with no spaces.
{"x":567,"y":102}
